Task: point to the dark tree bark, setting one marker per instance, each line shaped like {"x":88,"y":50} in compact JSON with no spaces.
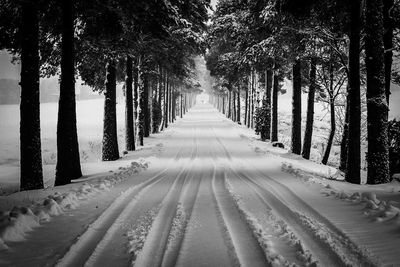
{"x":238,"y":107}
{"x":246,"y":104}
{"x":30,"y":143}
{"x":181,"y":106}
{"x":135,"y":89}
{"x":234,"y":107}
{"x":170,"y":89}
{"x":146,"y":105}
{"x":110,"y":138}
{"x":174,"y":98}
{"x":68,"y":162}
{"x":223,"y":104}
{"x":142,"y":108}
{"x":166,"y":101}
{"x":353,"y":149}
{"x":129,"y":116}
{"x":378,"y":143}
{"x":310,"y":111}
{"x":274,"y":119}
{"x":345,"y":137}
{"x":296,"y":109}
{"x":160,"y":88}
{"x":135,"y":98}
{"x":229,"y":104}
{"x":268,"y":89}
{"x":331,"y":134}
{"x":251,"y":119}
{"x":388,"y":44}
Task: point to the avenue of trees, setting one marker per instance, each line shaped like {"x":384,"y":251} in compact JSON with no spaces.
{"x":149,"y":45}
{"x":338,"y":52}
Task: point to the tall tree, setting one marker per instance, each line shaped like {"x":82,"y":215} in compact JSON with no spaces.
{"x":388,"y":5}
{"x":110,"y":149}
{"x":68,"y":161}
{"x":296,"y":109}
{"x":30,"y":143}
{"x":378,"y":145}
{"x":268,"y":90}
{"x":129,"y":114}
{"x":274,"y":120}
{"x":353,"y":147}
{"x":310,"y":110}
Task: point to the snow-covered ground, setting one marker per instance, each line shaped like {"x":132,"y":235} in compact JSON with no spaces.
{"x":212,"y":195}
{"x":90,"y":133}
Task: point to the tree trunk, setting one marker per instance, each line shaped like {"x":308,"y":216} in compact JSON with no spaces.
{"x":68,"y":161}
{"x":181,"y":105}
{"x":110,"y":139}
{"x":30,"y":143}
{"x":166,"y":101}
{"x":229,"y":104}
{"x":331,"y":134}
{"x":345,"y":137}
{"x":268,"y":89}
{"x":246,"y":104}
{"x":274,"y":122}
{"x":353,"y":150}
{"x":170,"y":89}
{"x":223,"y":104}
{"x":296,"y":109}
{"x":146,"y":105}
{"x":174,"y":98}
{"x":129,"y":117}
{"x":388,"y":44}
{"x":310,"y":111}
{"x":234,"y":107}
{"x":252,"y":100}
{"x":142,"y":108}
{"x":238,"y":106}
{"x":136,"y":97}
{"x":378,"y":143}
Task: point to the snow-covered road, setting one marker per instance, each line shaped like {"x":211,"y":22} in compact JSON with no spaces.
{"x":210,"y":201}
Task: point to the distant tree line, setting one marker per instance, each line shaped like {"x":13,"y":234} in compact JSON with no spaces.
{"x":339,"y":52}
{"x":148,"y":45}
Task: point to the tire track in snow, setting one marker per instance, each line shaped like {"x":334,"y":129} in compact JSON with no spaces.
{"x":112,"y":249}
{"x":323,"y":229}
{"x":263,"y":231}
{"x":79,"y":252}
{"x":306,"y":229}
{"x":157,"y":239}
{"x":181,"y":219}
{"x":203,"y":242}
{"x":246,"y":248}
{"x":95,"y":236}
{"x":280,"y":246}
{"x":315,"y":239}
{"x":195,"y":144}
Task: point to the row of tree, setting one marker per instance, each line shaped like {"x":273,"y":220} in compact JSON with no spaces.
{"x":339,"y":52}
{"x":149,"y":45}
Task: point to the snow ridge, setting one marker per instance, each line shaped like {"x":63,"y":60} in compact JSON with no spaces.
{"x":274,"y":258}
{"x":17,"y":222}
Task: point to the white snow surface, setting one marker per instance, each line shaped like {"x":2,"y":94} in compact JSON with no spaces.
{"x":213,"y":195}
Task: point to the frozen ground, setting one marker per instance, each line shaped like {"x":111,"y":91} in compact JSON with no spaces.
{"x":213,"y":195}
{"x":90,"y":133}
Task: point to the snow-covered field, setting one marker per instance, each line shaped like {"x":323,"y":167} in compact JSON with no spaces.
{"x":90,"y":134}
{"x":212,"y":195}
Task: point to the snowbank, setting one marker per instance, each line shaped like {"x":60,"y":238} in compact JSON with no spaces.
{"x":16,"y":222}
